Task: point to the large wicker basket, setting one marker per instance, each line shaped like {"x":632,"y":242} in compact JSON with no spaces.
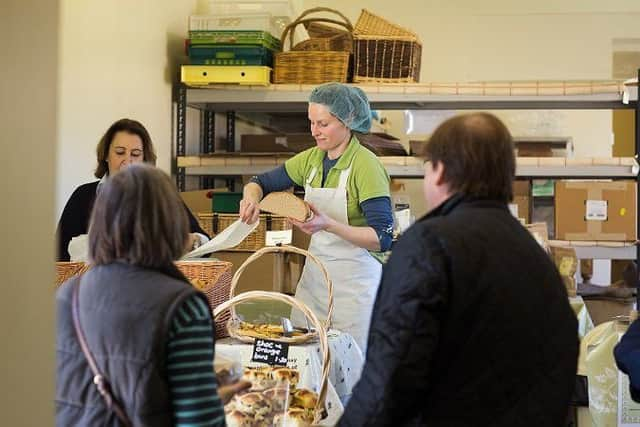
{"x":233,"y":324}
{"x":312,"y":63}
{"x":322,"y":336}
{"x":384,"y":52}
{"x":213,"y":279}
{"x":214,"y":223}
{"x":325,"y":37}
{"x":66,"y":270}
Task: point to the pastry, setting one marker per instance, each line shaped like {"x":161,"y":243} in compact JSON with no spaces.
{"x":304,"y":398}
{"x":294,"y":418}
{"x":279,"y":398}
{"x":253,"y":404}
{"x":238,"y":419}
{"x":284,"y":375}
{"x":260,"y":378}
{"x":286,"y":204}
{"x":264,"y":330}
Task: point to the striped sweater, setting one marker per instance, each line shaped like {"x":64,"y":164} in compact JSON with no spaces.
{"x":192,"y":382}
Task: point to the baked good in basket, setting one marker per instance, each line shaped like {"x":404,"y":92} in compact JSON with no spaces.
{"x":253,"y":403}
{"x":294,"y":417}
{"x":286,"y":375}
{"x":264,"y":330}
{"x":304,"y":398}
{"x":260,"y":378}
{"x":286,"y":204}
{"x":278,"y":396}
{"x":238,"y":419}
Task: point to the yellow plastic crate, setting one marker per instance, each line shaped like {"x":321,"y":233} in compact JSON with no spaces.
{"x":202,"y":75}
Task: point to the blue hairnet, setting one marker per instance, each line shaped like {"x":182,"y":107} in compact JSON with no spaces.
{"x":348,"y":103}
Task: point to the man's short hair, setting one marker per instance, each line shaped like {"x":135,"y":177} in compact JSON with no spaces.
{"x":478,"y":156}
{"x":138,"y":218}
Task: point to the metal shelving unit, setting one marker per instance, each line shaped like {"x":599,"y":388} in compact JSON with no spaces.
{"x":293,"y":98}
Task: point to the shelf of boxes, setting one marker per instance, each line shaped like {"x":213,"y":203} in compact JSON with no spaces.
{"x":411,"y":167}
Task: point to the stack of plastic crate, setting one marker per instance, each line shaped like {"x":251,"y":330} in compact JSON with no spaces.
{"x":232,"y":48}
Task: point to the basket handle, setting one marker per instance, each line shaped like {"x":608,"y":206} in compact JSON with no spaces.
{"x":322,"y":334}
{"x":348,"y":25}
{"x":285,"y":249}
{"x":288,"y":30}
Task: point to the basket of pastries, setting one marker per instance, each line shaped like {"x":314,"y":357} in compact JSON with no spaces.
{"x":275,"y":398}
{"x":248,"y":332}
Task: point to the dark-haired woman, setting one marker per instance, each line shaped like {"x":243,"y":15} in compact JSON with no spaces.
{"x":125,"y":142}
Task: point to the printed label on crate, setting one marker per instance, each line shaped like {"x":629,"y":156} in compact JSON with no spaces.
{"x":279,"y":237}
{"x":596,"y":210}
{"x":270,"y":352}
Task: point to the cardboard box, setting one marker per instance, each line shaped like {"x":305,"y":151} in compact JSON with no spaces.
{"x":605,"y":309}
{"x":520,"y":206}
{"x":533,"y":149}
{"x":270,"y":272}
{"x":595,"y":210}
{"x":198,"y":201}
{"x":415,"y":147}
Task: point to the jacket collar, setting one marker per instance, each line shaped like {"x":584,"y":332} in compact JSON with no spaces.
{"x":460,"y":200}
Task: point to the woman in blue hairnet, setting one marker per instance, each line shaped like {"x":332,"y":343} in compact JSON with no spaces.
{"x":348,"y":190}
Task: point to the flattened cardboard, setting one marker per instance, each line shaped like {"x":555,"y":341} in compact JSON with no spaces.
{"x":570,"y":210}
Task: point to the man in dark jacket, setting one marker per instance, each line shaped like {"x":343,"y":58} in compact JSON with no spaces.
{"x":471,"y":325}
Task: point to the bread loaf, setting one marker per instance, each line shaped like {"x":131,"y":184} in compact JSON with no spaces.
{"x":286,"y":204}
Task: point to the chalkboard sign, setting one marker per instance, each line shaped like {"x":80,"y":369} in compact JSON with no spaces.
{"x":270,"y":352}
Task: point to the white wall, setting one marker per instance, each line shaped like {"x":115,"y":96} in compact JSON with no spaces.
{"x":118,"y":59}
{"x":28,"y":88}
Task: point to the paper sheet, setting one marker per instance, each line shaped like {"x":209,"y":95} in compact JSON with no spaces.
{"x":79,"y":248}
{"x":228,"y":238}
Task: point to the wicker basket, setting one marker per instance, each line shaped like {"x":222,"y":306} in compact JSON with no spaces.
{"x":214,"y":281}
{"x":312,"y":63}
{"x":384,"y":52}
{"x":322,"y":335}
{"x":66,"y":270}
{"x":233,"y":324}
{"x":214,"y":223}
{"x":324,"y":37}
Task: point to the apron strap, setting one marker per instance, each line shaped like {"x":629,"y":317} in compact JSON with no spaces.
{"x":344,"y":176}
{"x":312,"y":175}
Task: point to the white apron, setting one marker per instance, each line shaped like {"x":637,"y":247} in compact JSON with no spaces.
{"x":354,"y":272}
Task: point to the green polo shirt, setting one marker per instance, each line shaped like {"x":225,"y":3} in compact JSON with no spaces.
{"x":368,"y":178}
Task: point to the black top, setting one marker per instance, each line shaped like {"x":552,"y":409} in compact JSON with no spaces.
{"x":471,"y":327}
{"x":74,"y":220}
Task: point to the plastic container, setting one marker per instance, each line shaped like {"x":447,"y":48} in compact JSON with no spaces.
{"x":254,"y":38}
{"x":227,"y":202}
{"x":248,"y":7}
{"x":262,"y":22}
{"x":230,"y":55}
{"x":202,"y":75}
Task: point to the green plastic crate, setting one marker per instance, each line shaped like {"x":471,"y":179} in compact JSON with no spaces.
{"x":259,"y":38}
{"x":212,"y":54}
{"x":226,"y":202}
